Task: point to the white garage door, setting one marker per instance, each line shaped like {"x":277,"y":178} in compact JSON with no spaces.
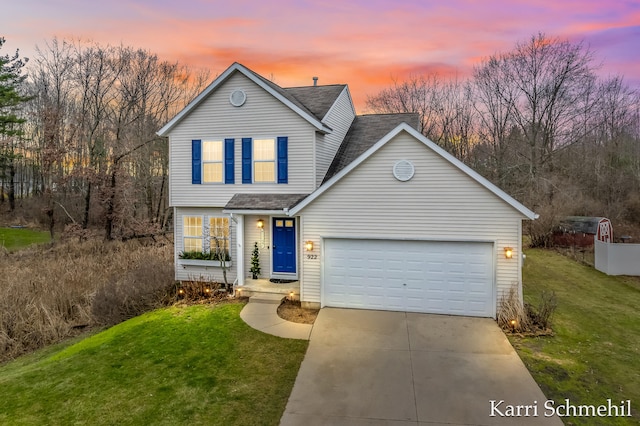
{"x":454,"y":278}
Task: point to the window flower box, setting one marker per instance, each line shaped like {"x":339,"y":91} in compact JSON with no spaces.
{"x":206,"y":263}
{"x":206,"y":259}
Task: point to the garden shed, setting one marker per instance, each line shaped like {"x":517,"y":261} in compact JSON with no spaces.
{"x":577,"y":231}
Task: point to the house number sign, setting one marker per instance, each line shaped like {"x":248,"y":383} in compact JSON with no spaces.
{"x":312,"y":256}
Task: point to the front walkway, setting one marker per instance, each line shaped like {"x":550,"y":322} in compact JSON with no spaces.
{"x":261,"y":313}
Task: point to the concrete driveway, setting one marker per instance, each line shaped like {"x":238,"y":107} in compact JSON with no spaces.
{"x":394,"y":368}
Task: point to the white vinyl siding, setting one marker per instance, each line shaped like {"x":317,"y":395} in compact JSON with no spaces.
{"x":252,"y":235}
{"x":440,"y":203}
{"x":339,"y":118}
{"x":208,"y":217}
{"x":215,"y":118}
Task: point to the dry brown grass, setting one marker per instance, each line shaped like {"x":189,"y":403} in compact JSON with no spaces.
{"x":50,"y":293}
{"x":511,"y":313}
{"x":526,"y":318}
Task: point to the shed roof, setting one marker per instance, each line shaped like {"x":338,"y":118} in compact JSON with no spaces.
{"x":581,"y":224}
{"x":263,"y":201}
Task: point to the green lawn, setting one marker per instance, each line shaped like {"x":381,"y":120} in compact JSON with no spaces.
{"x":595,"y":353}
{"x":175,"y":366}
{"x":16,"y":238}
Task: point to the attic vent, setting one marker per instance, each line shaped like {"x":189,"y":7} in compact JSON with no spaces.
{"x":403,"y":170}
{"x":238,"y":98}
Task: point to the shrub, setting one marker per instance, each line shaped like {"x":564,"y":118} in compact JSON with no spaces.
{"x":200,"y":255}
{"x":199,"y":289}
{"x":541,"y":316}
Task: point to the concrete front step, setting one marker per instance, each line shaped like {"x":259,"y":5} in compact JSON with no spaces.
{"x":273,"y":298}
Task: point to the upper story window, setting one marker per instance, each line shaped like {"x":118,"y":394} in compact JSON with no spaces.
{"x":212,"y":161}
{"x":264,"y":160}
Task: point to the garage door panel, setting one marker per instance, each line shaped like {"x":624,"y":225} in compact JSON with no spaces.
{"x":416,"y":276}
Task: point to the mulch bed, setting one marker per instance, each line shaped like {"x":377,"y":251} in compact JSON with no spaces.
{"x":291,"y":310}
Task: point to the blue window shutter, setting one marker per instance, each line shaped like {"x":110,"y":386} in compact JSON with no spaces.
{"x":283,"y":161}
{"x":196,"y":161}
{"x":229,"y":176}
{"x":247,"y":147}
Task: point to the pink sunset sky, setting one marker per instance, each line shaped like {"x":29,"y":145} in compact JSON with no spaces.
{"x":365,"y":44}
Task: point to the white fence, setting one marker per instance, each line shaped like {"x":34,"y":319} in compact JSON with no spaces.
{"x":617,"y":259}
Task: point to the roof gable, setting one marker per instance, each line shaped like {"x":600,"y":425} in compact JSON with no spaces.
{"x":364,"y":132}
{"x":404,"y":127}
{"x":276,"y":91}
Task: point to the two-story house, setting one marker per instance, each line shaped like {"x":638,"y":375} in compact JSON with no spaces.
{"x":362,"y":211}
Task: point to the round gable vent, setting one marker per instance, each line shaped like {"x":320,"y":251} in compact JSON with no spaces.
{"x":403,"y":170}
{"x":237,"y":98}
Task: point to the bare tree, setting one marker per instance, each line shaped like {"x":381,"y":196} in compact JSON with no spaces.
{"x":52,"y":99}
{"x":495,"y":102}
{"x":92,"y":124}
{"x":550,"y":77}
{"x":446,"y":113}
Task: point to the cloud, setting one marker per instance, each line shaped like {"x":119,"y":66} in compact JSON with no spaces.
{"x":363,"y":43}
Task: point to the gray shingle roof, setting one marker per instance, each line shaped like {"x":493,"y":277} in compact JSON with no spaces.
{"x":318,"y":99}
{"x":315,"y":100}
{"x":364,"y":132}
{"x":264,"y":201}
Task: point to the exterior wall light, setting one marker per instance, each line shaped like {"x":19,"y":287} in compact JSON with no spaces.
{"x":508,"y":252}
{"x":308,"y":245}
{"x":260,"y":223}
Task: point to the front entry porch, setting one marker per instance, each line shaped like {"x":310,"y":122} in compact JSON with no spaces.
{"x":263,"y":286}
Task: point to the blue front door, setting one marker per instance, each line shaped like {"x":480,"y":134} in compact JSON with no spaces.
{"x":284,"y":245}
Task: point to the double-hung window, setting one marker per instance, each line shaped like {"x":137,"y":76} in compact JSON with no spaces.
{"x":264,"y":160}
{"x":212,"y":162}
{"x":207,"y":234}
{"x":192,"y":230}
{"x":219,"y":236}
